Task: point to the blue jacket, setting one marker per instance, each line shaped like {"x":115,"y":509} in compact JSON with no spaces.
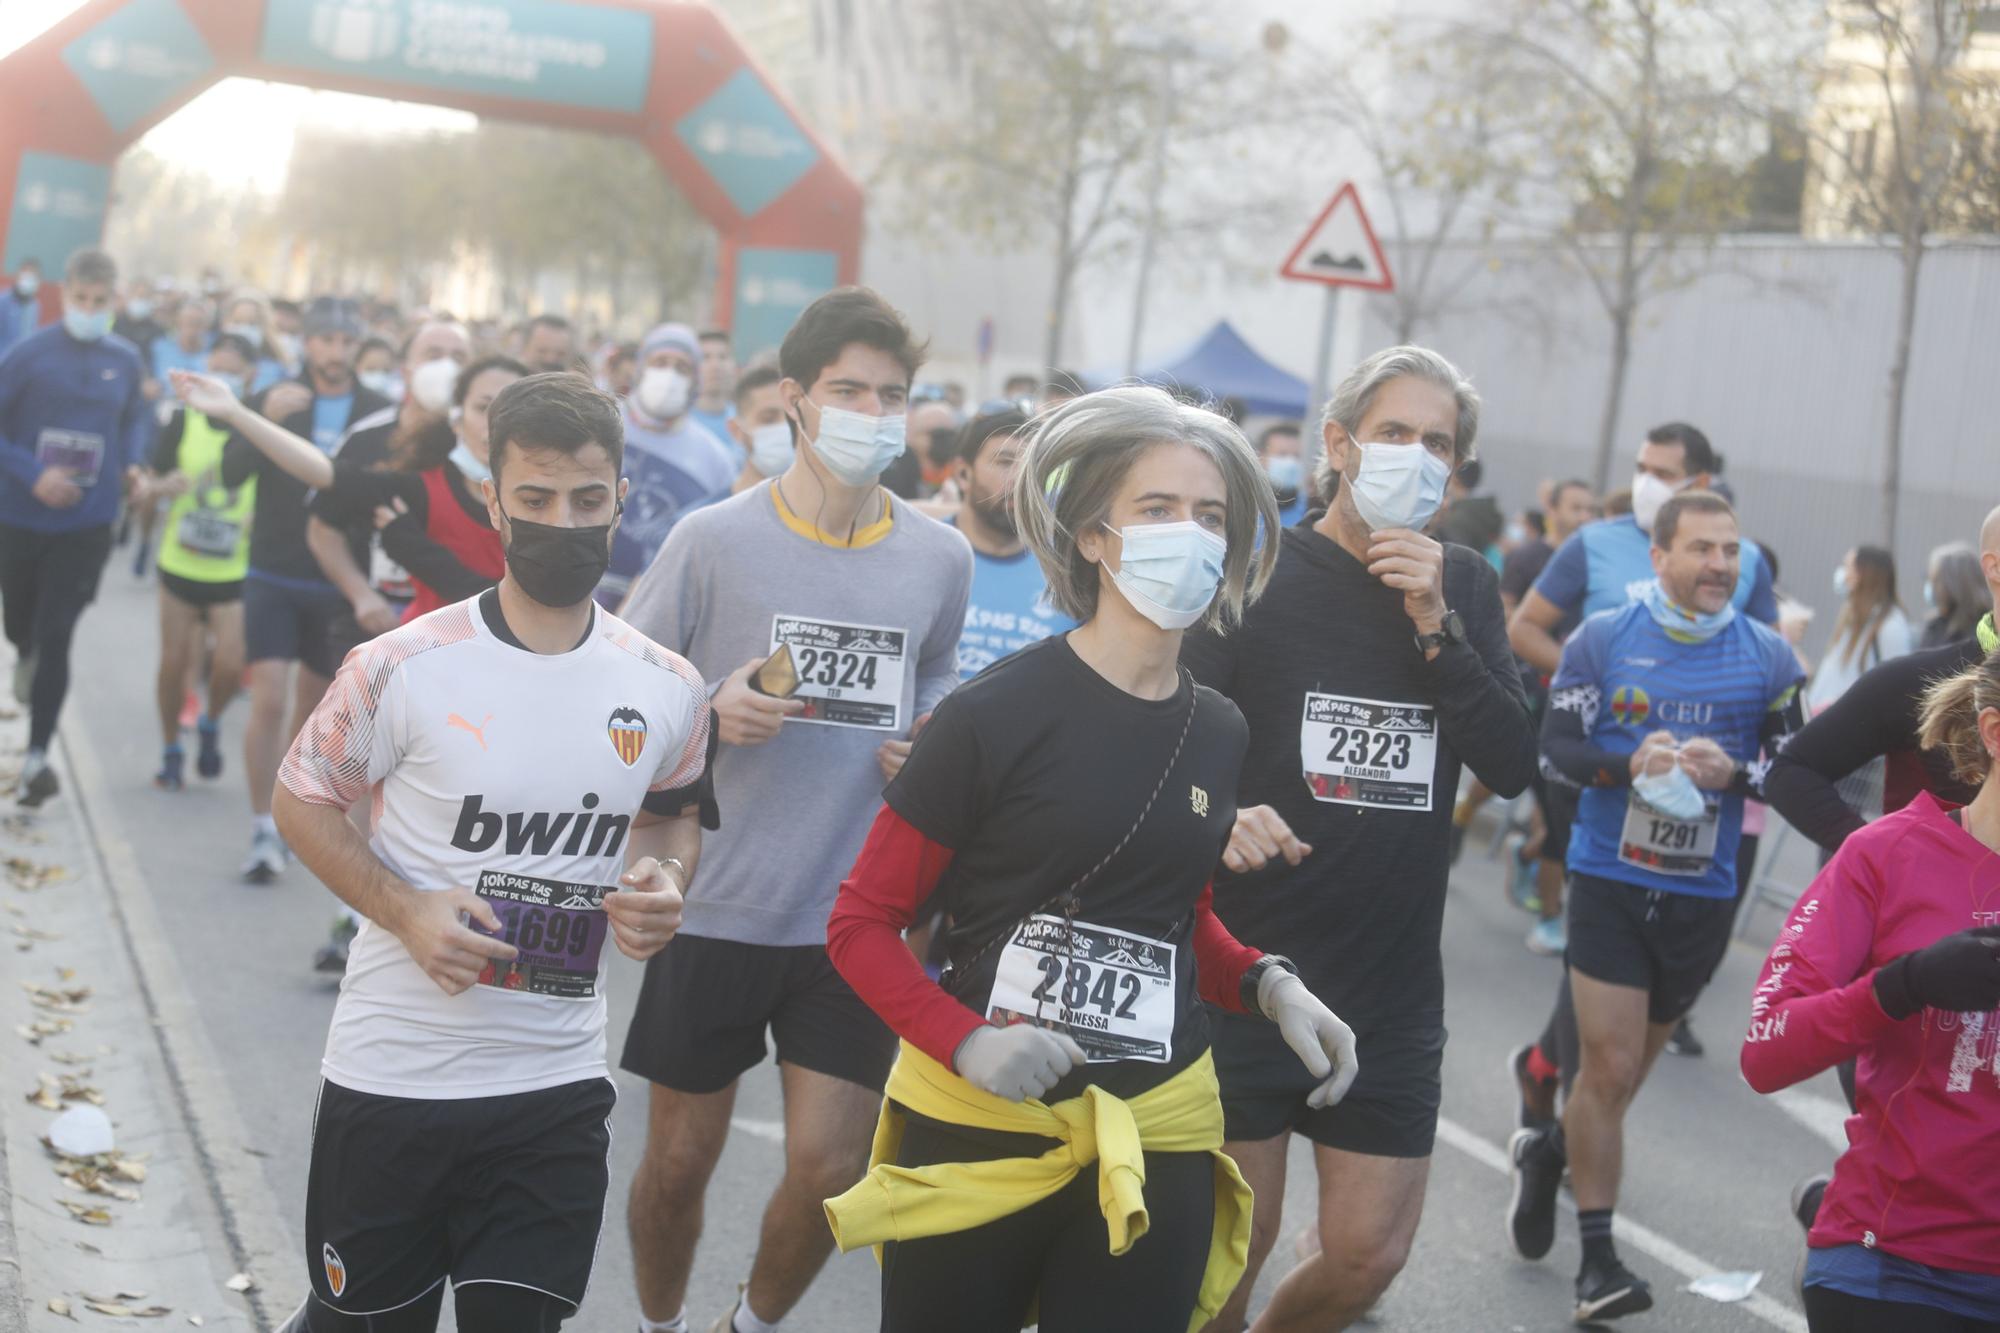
{"x":78,"y":403}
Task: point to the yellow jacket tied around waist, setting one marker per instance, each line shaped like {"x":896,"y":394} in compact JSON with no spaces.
{"x":1184,"y":1114}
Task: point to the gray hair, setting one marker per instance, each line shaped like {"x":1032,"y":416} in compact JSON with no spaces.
{"x":1078,"y":453}
{"x":1356,"y":394}
{"x":1958,"y":587}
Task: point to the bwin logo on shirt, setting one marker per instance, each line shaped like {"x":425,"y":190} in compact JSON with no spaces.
{"x":538,"y":832}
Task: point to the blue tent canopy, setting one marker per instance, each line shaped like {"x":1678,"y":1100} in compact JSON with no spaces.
{"x":1220,"y":364}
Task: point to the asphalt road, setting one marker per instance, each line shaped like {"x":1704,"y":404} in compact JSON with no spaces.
{"x":1708,"y":1162}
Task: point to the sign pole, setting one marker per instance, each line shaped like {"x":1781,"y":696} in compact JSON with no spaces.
{"x":1329,"y":320}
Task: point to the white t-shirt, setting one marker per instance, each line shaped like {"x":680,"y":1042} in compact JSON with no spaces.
{"x":481,"y":757}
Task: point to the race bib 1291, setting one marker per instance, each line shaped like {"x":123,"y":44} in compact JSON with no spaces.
{"x":558,"y":927}
{"x":1368,"y":752}
{"x":849,"y":675}
{"x":1110,"y":990}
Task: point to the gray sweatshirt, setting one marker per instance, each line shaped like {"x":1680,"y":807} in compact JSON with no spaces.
{"x":874,"y":634}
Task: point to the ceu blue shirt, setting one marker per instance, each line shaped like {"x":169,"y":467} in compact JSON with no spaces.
{"x":330,"y":421}
{"x":76,"y":405}
{"x":1605,"y":565}
{"x":1628,"y":679}
{"x":671,"y":471}
{"x":1007,"y":611}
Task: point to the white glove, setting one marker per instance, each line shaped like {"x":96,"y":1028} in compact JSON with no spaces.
{"x":1017,"y":1061}
{"x":1315,"y":1034}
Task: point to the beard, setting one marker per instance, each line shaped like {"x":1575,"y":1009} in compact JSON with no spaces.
{"x":997,"y":514}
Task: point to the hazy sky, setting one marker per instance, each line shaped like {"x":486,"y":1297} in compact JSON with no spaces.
{"x":239,"y":131}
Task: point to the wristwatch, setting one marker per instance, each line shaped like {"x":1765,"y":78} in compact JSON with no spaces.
{"x":1253,"y":978}
{"x":1453,"y":632}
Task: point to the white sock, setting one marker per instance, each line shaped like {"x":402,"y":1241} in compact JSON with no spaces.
{"x":746,"y":1320}
{"x":678,"y":1324}
{"x":35,"y":762}
{"x":264,"y":824}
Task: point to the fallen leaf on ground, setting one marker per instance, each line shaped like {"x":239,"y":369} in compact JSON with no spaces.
{"x":31,"y":875}
{"x":118,"y":1310}
{"x":57,"y":1305}
{"x":241,"y":1282}
{"x":195,"y":1319}
{"x":44,"y":1095}
{"x":39,"y":1028}
{"x":89,"y":1214}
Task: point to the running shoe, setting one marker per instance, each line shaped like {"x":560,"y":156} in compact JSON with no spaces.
{"x":1610,"y":1290}
{"x":1684,"y":1042}
{"x":727,"y":1324}
{"x":332,"y":956}
{"x":1806,"y":1196}
{"x":1548,"y":938}
{"x":40,"y":787}
{"x":267,"y":858}
{"x":24,"y":678}
{"x":172,"y":759}
{"x":1538,"y":1172}
{"x":1538,"y":1095}
{"x":208,"y":761}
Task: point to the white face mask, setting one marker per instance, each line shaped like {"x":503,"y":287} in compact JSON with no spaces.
{"x":663,"y":392}
{"x":431,"y":383}
{"x":1286,"y":471}
{"x":1169,"y":571}
{"x":1841,"y":587}
{"x":771,"y":448}
{"x":1399,"y":485}
{"x":250,"y":333}
{"x":1648,"y":494}
{"x":27,"y":284}
{"x":383,"y":382}
{"x":855,"y":446}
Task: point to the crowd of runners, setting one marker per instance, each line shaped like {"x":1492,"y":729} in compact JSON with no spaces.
{"x":1066,"y":785}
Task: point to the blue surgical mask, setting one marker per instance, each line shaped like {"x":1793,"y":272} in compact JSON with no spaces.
{"x":1287,"y":472}
{"x":1690,"y":626}
{"x":1840,"y":583}
{"x":1672,"y":792}
{"x":1399,"y":485}
{"x":855,"y":446}
{"x":1169,"y":571}
{"x":87,"y":327}
{"x":382,"y":382}
{"x":1930,"y":596}
{"x":465,"y":461}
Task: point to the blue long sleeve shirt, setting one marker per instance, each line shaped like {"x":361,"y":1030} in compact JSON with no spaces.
{"x":72,"y":404}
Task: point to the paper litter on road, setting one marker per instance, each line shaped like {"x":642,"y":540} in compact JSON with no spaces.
{"x":1726,"y":1286}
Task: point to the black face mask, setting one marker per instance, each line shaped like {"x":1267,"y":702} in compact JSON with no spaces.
{"x":558,"y":567}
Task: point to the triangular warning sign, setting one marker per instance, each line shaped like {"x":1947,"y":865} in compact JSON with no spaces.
{"x":1340,"y":248}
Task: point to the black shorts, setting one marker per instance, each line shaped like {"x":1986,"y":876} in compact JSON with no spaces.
{"x":1391,"y":1111}
{"x":198,"y":594}
{"x":405,"y":1192}
{"x":1559,"y":802}
{"x":288,"y":624}
{"x":705,"y":1003}
{"x":1666,"y":944}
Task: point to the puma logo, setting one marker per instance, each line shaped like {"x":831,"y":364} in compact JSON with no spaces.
{"x":478,"y":732}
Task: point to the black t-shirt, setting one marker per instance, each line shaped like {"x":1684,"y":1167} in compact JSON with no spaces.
{"x":278,"y":522}
{"x":1518,"y":572}
{"x":1352,"y":733}
{"x":1031,"y":773}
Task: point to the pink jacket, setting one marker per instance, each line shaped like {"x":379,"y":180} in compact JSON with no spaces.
{"x":1921,"y":1174}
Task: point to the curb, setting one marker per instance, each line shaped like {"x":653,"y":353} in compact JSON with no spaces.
{"x":260,"y":1244}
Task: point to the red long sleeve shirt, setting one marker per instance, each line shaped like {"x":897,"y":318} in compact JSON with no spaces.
{"x":1921,"y":1175}
{"x":893,"y":877}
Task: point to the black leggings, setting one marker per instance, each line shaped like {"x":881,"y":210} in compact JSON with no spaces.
{"x":489,"y":1307}
{"x":1830,"y":1311}
{"x":46,"y":579}
{"x":983,"y":1280}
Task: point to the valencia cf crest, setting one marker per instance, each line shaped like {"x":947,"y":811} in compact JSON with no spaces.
{"x":627,"y":730}
{"x":336,"y":1271}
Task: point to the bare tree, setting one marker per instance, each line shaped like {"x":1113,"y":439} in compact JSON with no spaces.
{"x":1903,"y":146}
{"x":1637,"y":109}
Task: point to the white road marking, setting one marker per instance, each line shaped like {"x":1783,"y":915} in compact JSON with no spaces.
{"x":1824,"y":1117}
{"x":1641,"y":1238}
{"x":771,"y":1131}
